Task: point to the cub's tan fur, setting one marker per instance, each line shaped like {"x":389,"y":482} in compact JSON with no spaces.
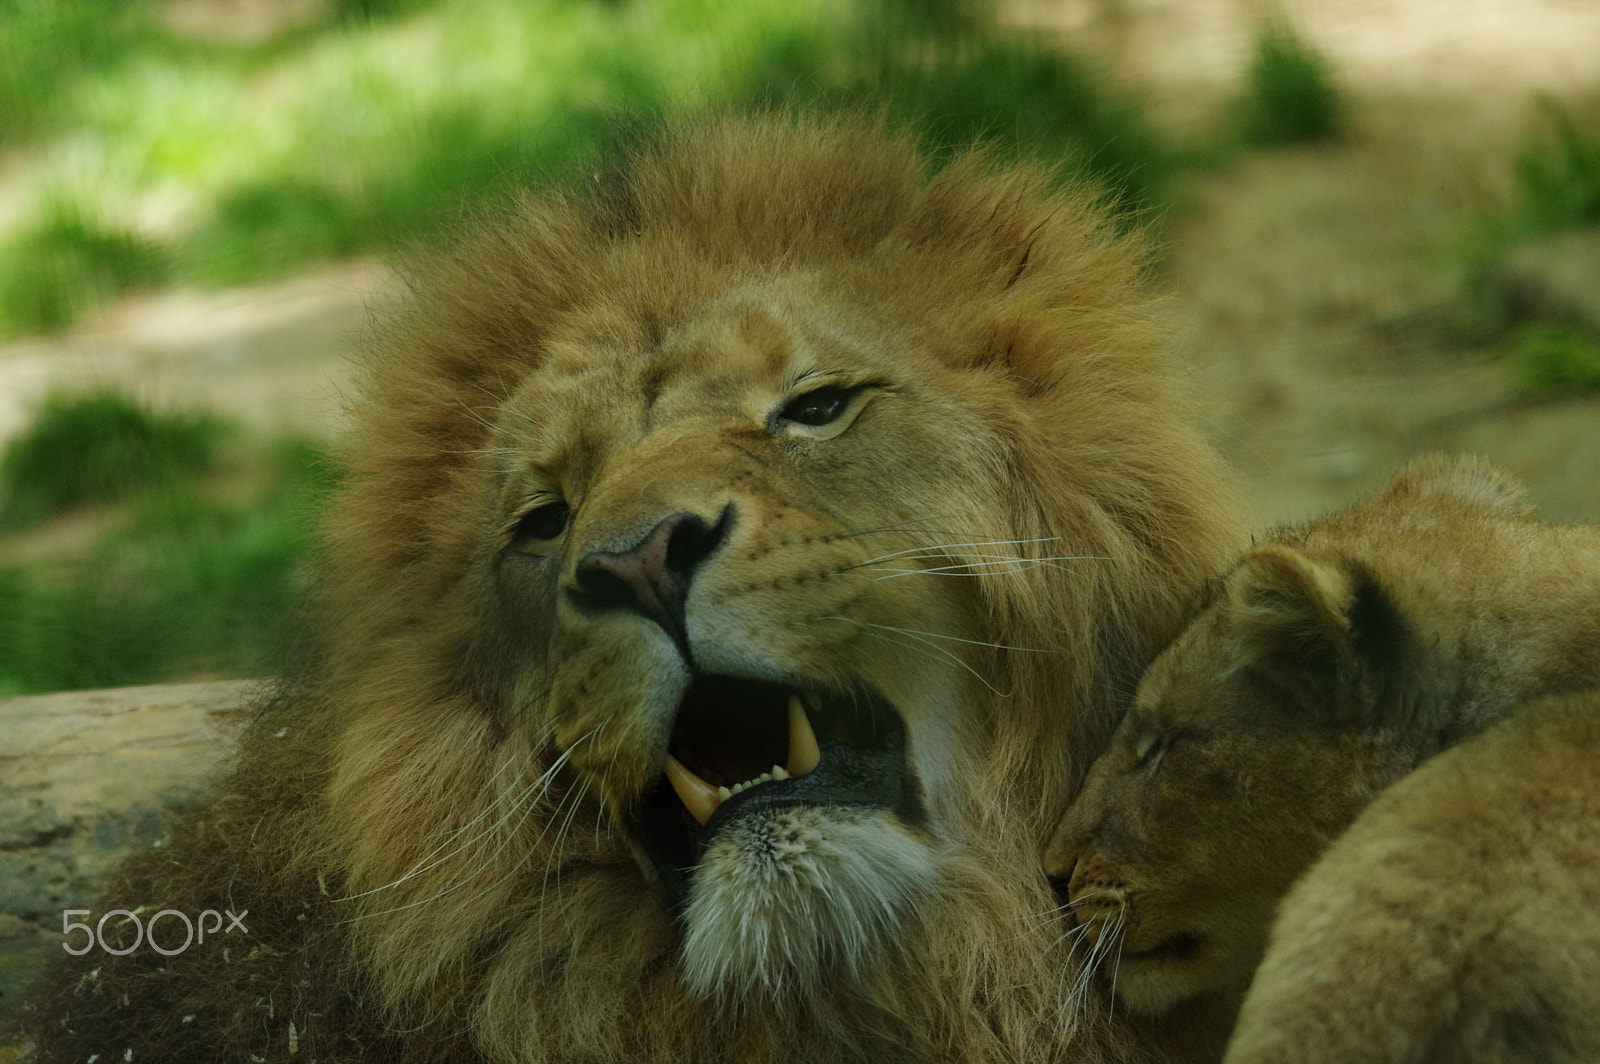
{"x":777,"y":403}
{"x":1334,"y":659}
{"x":1457,"y":921}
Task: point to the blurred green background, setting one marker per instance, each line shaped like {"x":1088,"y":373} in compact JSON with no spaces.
{"x":149,"y":145}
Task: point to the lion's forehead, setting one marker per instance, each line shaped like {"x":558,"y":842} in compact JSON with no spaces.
{"x":733,"y":358}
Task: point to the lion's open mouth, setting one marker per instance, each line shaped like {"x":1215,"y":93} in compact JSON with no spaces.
{"x":740,"y":746}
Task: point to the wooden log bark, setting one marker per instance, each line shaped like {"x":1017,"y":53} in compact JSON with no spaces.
{"x":84,"y":776}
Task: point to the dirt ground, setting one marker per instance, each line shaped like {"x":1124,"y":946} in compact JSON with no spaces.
{"x":1304,"y":280}
{"x":1309,"y":284}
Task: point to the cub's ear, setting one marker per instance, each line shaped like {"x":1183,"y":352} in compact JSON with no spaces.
{"x":1289,"y":622}
{"x":1463,"y":477}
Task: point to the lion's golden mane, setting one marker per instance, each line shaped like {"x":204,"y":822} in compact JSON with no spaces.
{"x":411,"y":902}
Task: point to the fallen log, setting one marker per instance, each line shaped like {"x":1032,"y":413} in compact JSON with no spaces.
{"x":84,"y":776}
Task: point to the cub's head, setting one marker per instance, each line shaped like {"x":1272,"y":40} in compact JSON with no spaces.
{"x":730,"y":545}
{"x":1260,"y":733}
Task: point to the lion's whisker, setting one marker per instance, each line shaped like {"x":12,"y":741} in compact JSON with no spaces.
{"x":452,"y":835}
{"x":915,"y":632}
{"x":528,"y":809}
{"x":600,"y":812}
{"x":1018,"y":564}
{"x":1116,"y":964}
{"x":880,"y":629}
{"x":542,"y":782}
{"x":522,"y":768}
{"x":936,"y":548}
{"x":474,"y":416}
{"x":464,"y":880}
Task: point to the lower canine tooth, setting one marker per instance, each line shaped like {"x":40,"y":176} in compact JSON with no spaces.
{"x":697,"y":796}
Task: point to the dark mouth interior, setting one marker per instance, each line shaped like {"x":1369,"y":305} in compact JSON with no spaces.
{"x":730,"y":730}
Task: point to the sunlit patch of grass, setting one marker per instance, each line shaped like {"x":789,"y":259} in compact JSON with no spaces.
{"x":100,"y":448}
{"x":187,"y":580}
{"x":366,"y":132}
{"x":47,"y":47}
{"x":1290,"y":97}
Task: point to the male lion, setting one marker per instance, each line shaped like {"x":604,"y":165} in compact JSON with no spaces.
{"x":739,"y":561}
{"x":1335,"y":659}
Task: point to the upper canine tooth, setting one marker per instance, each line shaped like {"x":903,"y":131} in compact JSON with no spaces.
{"x":697,"y":796}
{"x":804,"y":756}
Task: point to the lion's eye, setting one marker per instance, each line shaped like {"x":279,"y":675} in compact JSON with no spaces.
{"x":535,"y":529}
{"x":819,"y":407}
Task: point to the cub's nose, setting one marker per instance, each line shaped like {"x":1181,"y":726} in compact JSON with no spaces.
{"x":652,"y":578}
{"x":1096,"y":894}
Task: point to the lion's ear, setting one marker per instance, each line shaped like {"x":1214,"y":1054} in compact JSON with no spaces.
{"x":1465,"y":478}
{"x":1290,"y":622}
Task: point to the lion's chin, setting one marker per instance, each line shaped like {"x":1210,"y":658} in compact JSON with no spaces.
{"x":791,"y":897}
{"x":796,"y":874}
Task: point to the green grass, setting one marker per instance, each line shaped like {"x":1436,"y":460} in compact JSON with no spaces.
{"x":154,"y":158}
{"x":64,"y":264}
{"x":1546,"y":359}
{"x":100,"y":448}
{"x":1556,"y":187}
{"x":1290,"y":97}
{"x":50,"y":47}
{"x":1558,"y":179}
{"x":187,"y":579}
{"x":1030,"y":100}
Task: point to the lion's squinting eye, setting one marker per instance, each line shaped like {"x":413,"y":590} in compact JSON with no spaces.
{"x":822,"y":412}
{"x":537,"y":530}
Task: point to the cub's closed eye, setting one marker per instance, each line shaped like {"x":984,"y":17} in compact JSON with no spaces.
{"x":1149,"y":751}
{"x":819,"y":407}
{"x":542,"y":523}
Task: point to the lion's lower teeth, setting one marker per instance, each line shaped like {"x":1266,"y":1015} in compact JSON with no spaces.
{"x":777,"y":773}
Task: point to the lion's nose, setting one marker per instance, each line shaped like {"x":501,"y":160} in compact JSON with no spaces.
{"x":652,"y":578}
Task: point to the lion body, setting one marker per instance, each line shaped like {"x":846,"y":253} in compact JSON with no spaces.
{"x":767,"y":415}
{"x":1457,"y":920}
{"x":1334,"y":659}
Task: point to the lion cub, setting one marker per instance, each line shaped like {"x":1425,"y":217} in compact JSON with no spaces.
{"x":1335,"y":659}
{"x":1459,"y":917}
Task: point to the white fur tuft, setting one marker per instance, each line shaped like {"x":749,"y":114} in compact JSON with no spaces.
{"x":784,"y":899}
